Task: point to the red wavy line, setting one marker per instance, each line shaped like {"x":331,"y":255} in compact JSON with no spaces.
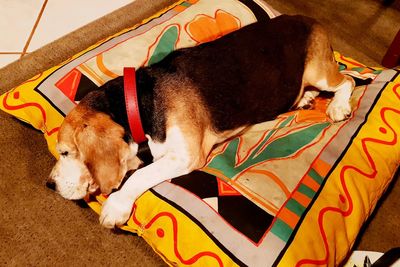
{"x":53,"y":131}
{"x":26,"y":105}
{"x":372,"y":175}
{"x":135,"y":220}
{"x":193,"y":259}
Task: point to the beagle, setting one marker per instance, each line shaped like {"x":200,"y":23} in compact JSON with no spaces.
{"x":192,"y":100}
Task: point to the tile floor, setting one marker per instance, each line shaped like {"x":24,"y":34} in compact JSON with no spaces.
{"x":26,"y":25}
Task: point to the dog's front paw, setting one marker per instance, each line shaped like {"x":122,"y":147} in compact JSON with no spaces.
{"x":116,"y":210}
{"x":338,"y":110}
{"x":307,"y":101}
{"x":305,"y":104}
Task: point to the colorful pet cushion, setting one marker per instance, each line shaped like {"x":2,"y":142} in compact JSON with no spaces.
{"x":290,"y":192}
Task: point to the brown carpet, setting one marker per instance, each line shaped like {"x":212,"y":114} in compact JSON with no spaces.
{"x":39,"y":228}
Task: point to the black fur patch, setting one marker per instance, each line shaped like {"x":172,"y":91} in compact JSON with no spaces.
{"x":144,"y":153}
{"x":248,"y":76}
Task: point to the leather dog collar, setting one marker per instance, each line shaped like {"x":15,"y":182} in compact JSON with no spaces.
{"x":132,"y":106}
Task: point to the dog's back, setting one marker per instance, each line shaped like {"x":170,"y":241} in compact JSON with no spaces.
{"x":264,"y":60}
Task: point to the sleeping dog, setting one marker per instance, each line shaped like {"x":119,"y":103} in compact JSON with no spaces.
{"x":186,"y":104}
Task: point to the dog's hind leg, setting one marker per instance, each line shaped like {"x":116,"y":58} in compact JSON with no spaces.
{"x":321,"y":71}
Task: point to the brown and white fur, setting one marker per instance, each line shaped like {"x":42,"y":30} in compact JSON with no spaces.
{"x":192,"y":100}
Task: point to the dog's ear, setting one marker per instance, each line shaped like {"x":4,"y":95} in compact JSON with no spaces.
{"x":101,"y":147}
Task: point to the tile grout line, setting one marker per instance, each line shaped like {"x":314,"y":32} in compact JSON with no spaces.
{"x":34,"y":28}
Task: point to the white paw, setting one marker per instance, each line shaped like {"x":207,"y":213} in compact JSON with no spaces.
{"x":338,"y":110}
{"x":116,"y":210}
{"x":304,"y":103}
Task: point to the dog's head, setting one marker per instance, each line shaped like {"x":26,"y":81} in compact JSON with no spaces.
{"x":93,"y":154}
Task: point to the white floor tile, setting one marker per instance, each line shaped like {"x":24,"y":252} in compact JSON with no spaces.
{"x":61,"y":17}
{"x":17,"y":18}
{"x":6,"y":59}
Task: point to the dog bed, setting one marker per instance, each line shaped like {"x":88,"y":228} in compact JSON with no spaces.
{"x":294,"y":195}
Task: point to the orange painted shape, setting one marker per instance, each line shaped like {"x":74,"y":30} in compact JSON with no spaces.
{"x":205,"y":28}
{"x":289,"y":217}
{"x":103,"y":68}
{"x":179,"y":8}
{"x":311,"y":183}
{"x":226,"y":22}
{"x":311,"y":115}
{"x":321,"y":167}
{"x":321,"y":104}
{"x":301,"y":198}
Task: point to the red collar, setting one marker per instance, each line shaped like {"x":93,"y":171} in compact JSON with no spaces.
{"x":132,"y":106}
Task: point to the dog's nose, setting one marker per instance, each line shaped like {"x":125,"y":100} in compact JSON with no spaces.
{"x":51,"y":185}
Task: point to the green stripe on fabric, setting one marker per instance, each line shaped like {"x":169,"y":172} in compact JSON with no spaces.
{"x":306,"y":191}
{"x":286,"y":122}
{"x":295,"y":207}
{"x":358,"y":69}
{"x":281,"y":230}
{"x":165,"y":45}
{"x":186,"y":4}
{"x":316,"y":177}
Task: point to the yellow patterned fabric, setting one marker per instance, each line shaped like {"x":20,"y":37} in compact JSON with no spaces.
{"x":354,"y":185}
{"x":290,"y":192}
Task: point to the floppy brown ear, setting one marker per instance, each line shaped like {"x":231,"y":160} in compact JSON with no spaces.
{"x":101,"y":147}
